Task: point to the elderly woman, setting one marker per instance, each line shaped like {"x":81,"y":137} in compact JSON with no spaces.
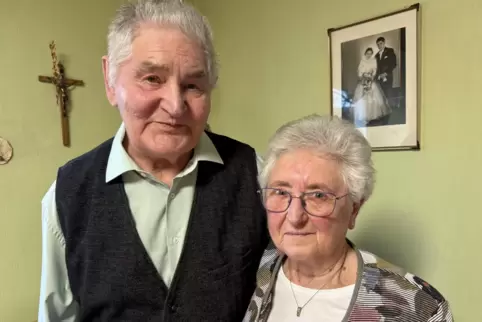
{"x":316,"y":176}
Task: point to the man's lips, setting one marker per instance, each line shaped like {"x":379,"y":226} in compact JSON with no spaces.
{"x":298,"y":233}
{"x":170,"y":126}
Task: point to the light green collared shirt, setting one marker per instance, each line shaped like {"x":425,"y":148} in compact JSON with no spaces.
{"x":161,"y":215}
{"x":154,"y":204}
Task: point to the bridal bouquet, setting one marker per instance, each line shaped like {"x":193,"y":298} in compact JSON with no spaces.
{"x":366,"y":83}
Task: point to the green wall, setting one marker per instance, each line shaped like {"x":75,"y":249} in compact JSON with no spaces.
{"x":30,"y":120}
{"x":425,"y":214}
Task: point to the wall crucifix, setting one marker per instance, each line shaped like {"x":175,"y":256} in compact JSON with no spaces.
{"x":62,"y":87}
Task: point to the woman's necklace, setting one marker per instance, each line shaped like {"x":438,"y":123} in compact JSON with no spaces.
{"x":300,"y":308}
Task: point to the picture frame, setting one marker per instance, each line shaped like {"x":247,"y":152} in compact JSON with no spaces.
{"x":374,"y":77}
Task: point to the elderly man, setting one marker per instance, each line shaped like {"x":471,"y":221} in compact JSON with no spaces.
{"x":162,"y":222}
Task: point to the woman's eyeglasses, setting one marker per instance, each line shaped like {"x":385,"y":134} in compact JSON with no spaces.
{"x":315,"y":203}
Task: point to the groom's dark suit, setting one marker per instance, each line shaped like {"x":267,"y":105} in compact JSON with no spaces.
{"x":386,"y":64}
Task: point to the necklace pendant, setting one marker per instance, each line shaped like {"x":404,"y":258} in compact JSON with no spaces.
{"x":298,"y":311}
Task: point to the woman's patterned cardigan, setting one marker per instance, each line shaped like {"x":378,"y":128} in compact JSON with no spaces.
{"x":383,"y":292}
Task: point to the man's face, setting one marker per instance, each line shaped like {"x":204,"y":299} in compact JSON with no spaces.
{"x":163,"y":92}
{"x":381,"y":45}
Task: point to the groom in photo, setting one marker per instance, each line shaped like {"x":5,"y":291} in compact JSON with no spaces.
{"x":386,"y":63}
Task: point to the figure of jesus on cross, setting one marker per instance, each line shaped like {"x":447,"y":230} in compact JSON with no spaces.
{"x":62,"y":85}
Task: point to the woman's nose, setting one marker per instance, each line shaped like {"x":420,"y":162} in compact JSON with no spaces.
{"x":296,"y":211}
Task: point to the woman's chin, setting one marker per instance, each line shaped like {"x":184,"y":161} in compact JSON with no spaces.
{"x":299,"y":252}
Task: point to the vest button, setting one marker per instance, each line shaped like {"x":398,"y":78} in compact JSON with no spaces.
{"x":174,"y":308}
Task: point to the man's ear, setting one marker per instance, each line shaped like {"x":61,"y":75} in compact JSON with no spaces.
{"x":110,"y":91}
{"x":354,"y":214}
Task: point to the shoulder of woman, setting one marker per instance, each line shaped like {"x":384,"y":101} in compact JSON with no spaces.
{"x":393,"y":279}
{"x":270,"y":257}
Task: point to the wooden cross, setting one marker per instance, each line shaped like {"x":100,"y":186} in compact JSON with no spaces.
{"x":62,"y":86}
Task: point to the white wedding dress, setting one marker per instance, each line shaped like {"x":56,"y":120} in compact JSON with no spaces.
{"x":369,"y":101}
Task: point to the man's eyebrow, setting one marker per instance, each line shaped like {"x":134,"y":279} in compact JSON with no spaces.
{"x":197,"y":74}
{"x":150,"y":67}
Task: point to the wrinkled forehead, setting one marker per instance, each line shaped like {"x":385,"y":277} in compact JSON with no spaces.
{"x":167,"y":45}
{"x":307,"y":170}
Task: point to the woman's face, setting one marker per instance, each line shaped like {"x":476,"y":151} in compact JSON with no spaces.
{"x":368,"y":54}
{"x":294,"y":232}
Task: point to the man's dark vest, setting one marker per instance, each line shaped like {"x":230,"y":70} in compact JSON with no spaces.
{"x":110,"y":273}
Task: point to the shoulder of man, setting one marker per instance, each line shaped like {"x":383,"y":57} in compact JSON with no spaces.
{"x":79,"y":169}
{"x":223,"y":139}
{"x":228,"y":147}
{"x":91,"y":155}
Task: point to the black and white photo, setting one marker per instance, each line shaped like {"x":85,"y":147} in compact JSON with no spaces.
{"x":374,"y":77}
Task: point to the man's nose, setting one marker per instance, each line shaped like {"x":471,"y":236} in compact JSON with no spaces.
{"x":173,"y":99}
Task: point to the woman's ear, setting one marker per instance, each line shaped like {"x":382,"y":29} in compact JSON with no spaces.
{"x":354,"y":213}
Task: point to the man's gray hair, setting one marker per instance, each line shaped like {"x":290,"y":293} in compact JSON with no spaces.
{"x":170,"y":13}
{"x":326,"y":135}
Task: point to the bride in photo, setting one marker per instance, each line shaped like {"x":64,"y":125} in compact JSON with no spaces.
{"x":369,"y":102}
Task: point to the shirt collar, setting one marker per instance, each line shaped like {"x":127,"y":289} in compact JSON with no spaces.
{"x":120,"y":162}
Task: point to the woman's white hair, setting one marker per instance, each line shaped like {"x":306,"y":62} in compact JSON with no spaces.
{"x":326,"y":135}
{"x":170,"y":13}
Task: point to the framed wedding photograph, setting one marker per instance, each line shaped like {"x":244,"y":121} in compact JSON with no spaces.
{"x":375,"y":78}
